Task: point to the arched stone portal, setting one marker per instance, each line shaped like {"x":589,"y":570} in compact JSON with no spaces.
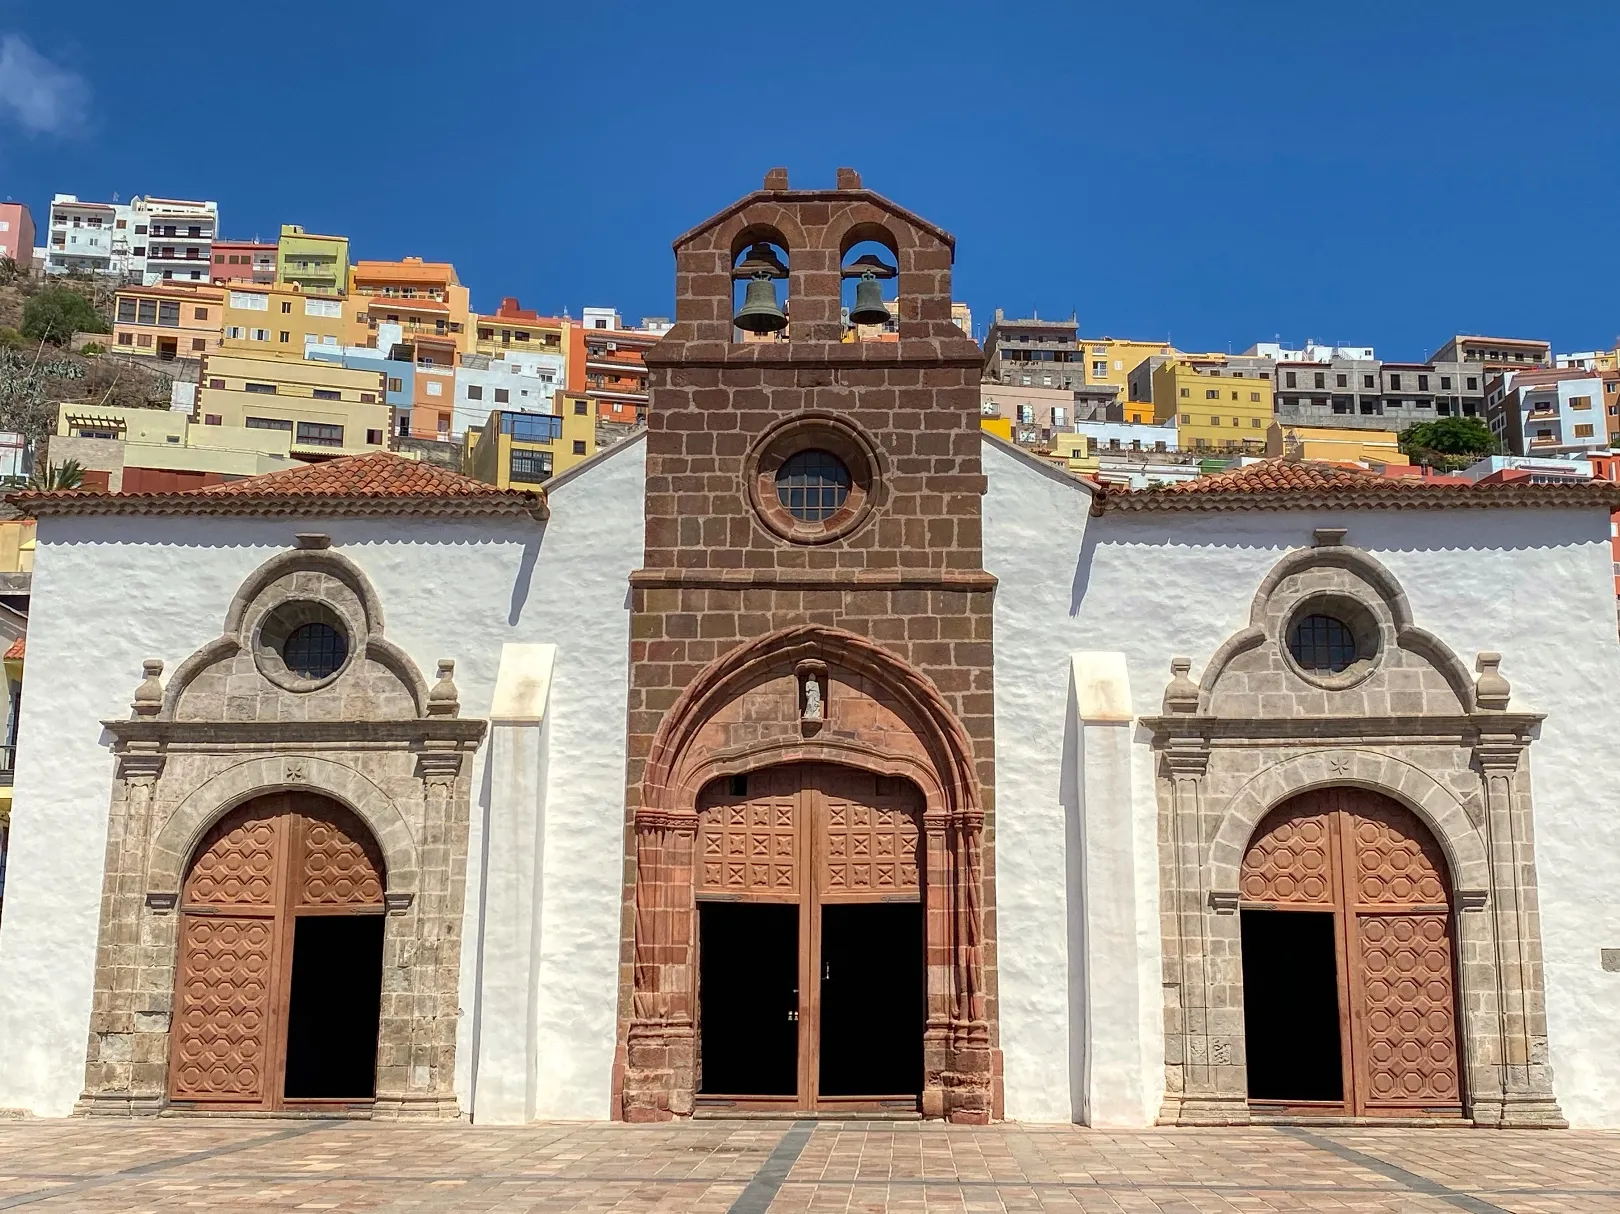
{"x":279,"y":973}
{"x":884,"y":735}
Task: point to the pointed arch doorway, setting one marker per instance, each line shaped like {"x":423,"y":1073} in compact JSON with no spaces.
{"x":811,"y":977}
{"x":1349,"y":962}
{"x":279,"y":976}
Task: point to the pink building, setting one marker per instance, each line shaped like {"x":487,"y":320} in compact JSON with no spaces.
{"x":16,"y":233}
{"x":243,"y":261}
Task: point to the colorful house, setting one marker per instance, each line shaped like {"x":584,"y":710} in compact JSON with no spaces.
{"x":424,"y":298}
{"x":169,"y":322}
{"x":513,"y":450}
{"x":327,"y":409}
{"x":316,"y":263}
{"x":277,"y":320}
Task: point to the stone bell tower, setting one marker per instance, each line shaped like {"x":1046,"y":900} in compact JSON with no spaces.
{"x":812,"y":601}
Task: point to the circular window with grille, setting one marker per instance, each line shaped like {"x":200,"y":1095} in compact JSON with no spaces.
{"x":813,"y":478}
{"x":302,"y":645}
{"x":1332,"y":641}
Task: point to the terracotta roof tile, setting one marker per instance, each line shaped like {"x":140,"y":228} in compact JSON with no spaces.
{"x":18,"y":649}
{"x":1277,"y":484}
{"x":375,"y":483}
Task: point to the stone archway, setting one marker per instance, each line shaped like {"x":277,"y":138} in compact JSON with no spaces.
{"x":752,"y":710}
{"x":279,"y":972}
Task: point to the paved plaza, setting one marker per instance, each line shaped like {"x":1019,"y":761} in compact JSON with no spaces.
{"x":178,"y":1164}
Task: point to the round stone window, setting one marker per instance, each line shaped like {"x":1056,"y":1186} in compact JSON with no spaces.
{"x":812,"y":485}
{"x":1332,"y":640}
{"x":302,"y":645}
{"x":813,"y":478}
{"x":1322,"y":644}
{"x":314,"y":651}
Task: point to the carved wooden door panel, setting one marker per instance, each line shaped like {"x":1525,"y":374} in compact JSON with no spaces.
{"x":1380,"y":872}
{"x":810,"y":835}
{"x":253,"y":872}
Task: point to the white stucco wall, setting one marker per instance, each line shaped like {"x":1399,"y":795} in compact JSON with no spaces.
{"x":110,"y":592}
{"x":1536,"y":585}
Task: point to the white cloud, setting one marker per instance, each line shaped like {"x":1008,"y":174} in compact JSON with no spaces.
{"x":43,"y":98}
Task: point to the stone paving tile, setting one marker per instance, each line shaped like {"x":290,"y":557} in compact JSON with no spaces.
{"x":253,"y":1166}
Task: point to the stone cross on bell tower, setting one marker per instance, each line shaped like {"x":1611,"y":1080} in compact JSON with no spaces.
{"x":813,"y":498}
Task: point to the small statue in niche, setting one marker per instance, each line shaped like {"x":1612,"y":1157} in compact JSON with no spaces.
{"x":812,"y":698}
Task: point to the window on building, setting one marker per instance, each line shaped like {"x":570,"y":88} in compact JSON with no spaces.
{"x":434,"y":388}
{"x":1367,"y":382}
{"x":502,"y":396}
{"x":266,"y":389}
{"x":319,"y":434}
{"x":1212,"y":394}
{"x":475,"y":392}
{"x":126,"y":311}
{"x":368,"y":398}
{"x":267,"y":423}
{"x":1580,"y":402}
{"x":395,"y":384}
{"x":1186,"y":419}
{"x":579,"y":446}
{"x":326,"y":394}
{"x":145,"y":339}
{"x":1060,"y":416}
{"x":1214,"y":421}
{"x":1186,"y":391}
{"x":1394,"y":383}
{"x":148,"y":311}
{"x":1254,"y":422}
{"x":1342,"y":381}
{"x":1584,"y":430}
{"x":374,"y":438}
{"x":1321,"y":379}
{"x":1473,"y":384}
{"x":581,"y":408}
{"x":1255,"y":397}
{"x":285,"y":337}
{"x":1445,"y":383}
{"x":1423,"y":383}
{"x":286,"y":305}
{"x":530,"y":467}
{"x":126,"y":339}
{"x":532,"y":427}
{"x":199,"y":343}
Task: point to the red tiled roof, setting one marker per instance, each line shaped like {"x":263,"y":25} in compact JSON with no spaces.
{"x":376,"y":483}
{"x":1313,"y":484}
{"x":17,"y":649}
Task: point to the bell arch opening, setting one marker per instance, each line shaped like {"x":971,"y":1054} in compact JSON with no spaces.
{"x":278,"y":982}
{"x":759,"y":261}
{"x":810,"y":945}
{"x":869,"y":271}
{"x":1349,"y":961}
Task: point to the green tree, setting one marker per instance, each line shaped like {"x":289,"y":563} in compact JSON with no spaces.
{"x":57,"y":313}
{"x":69,"y":474}
{"x":1449,"y":443}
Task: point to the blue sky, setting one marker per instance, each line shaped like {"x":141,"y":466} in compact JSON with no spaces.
{"x":1384,"y":173}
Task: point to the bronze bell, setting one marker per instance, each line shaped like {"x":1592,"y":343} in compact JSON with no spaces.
{"x":869,"y":308}
{"x":760,"y":313}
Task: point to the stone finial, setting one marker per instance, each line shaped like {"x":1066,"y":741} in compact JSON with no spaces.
{"x":848,"y":179}
{"x":1329,"y":537}
{"x":1491,"y":690}
{"x":1182,"y":693}
{"x":444,"y":700}
{"x":776,"y":179}
{"x":149,"y":694}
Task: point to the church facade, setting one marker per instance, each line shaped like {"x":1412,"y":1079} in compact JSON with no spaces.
{"x":815,"y":753}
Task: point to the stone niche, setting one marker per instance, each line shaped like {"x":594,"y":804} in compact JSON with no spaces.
{"x":1403,"y":717}
{"x":358,"y":724}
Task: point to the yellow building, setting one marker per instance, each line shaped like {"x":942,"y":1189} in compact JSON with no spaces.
{"x":1212,"y":406}
{"x":513,"y":450}
{"x":1001,"y":427}
{"x":276,"y":320}
{"x":1335,"y":445}
{"x":1110,"y":360}
{"x":319,"y":264}
{"x":511,"y":327}
{"x":327,"y":409}
{"x":160,"y":450}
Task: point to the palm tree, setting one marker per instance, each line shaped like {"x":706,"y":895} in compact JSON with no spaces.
{"x":69,"y":474}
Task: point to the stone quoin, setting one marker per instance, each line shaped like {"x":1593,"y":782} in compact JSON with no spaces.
{"x":815,"y":753}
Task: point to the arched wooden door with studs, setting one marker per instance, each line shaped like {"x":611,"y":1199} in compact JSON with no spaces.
{"x":811,"y":976}
{"x":1349,"y":967}
{"x":279,"y":974}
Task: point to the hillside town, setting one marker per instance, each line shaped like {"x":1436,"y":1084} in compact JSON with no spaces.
{"x":800,"y":706}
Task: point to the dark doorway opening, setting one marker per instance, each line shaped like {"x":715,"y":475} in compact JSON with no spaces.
{"x":333,"y":1007}
{"x":873,"y":999}
{"x":1291,"y":1006}
{"x":748,"y":998}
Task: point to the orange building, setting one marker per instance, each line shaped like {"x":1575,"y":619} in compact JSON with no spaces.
{"x":607,"y":366}
{"x":243,"y":261}
{"x":169,"y":321}
{"x":424,"y":298}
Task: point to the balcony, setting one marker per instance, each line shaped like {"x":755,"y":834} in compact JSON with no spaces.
{"x":8,"y":762}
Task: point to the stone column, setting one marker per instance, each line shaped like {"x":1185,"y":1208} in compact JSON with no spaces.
{"x":1526,"y":1087}
{"x":968,"y":1083}
{"x":661,"y":1055}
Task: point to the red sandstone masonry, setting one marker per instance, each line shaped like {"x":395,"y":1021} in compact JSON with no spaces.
{"x":908,"y":578}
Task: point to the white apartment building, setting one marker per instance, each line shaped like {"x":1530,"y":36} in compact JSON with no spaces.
{"x":178,"y":237}
{"x":1548,"y":412}
{"x":1311,"y":352}
{"x":524,"y":383}
{"x":88,"y":237}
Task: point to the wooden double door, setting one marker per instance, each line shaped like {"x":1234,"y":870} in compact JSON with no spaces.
{"x":279,"y":974}
{"x":1349,"y":988}
{"x":811,"y":976}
